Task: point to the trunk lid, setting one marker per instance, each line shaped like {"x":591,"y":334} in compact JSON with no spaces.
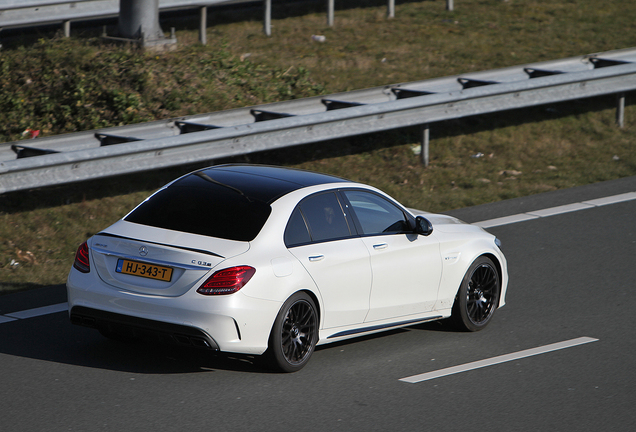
{"x":156,"y":261}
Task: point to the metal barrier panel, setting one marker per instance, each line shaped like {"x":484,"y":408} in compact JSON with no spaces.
{"x":40,"y":12}
{"x":147,"y":146}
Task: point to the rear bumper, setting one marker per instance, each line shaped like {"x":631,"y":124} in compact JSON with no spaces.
{"x":233,"y":323}
{"x":141,"y":327}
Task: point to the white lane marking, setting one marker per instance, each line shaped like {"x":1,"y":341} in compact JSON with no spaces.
{"x":496,"y":360}
{"x":4,"y":319}
{"x":557,"y":210}
{"x":612,"y":199}
{"x":506,"y":220}
{"x":31,"y":313}
{"x":552,"y":211}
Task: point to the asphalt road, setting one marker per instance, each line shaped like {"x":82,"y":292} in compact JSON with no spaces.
{"x":572,"y":275}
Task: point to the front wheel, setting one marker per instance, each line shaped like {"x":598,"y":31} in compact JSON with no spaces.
{"x":478,"y":296}
{"x":294,"y":334}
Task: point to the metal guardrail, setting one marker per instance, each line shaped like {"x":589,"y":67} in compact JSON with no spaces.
{"x":21,"y":4}
{"x":41,"y":12}
{"x":17,"y":13}
{"x":146,"y":146}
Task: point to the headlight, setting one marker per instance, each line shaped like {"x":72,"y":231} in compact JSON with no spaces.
{"x":498,"y":242}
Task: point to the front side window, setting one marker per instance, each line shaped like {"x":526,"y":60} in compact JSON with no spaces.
{"x":375,"y":214}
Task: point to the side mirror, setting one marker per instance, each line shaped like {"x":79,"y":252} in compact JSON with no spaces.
{"x":423,"y":226}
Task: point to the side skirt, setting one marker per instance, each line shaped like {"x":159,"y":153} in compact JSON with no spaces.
{"x":377,"y":328}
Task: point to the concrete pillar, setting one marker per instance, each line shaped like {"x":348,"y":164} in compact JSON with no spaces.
{"x":391,"y":9}
{"x":139,"y":17}
{"x":139,"y":23}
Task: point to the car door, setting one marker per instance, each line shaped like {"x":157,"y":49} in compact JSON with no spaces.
{"x":406,"y":267}
{"x":320,"y":234}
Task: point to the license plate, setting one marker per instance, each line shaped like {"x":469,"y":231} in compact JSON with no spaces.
{"x":146,"y":270}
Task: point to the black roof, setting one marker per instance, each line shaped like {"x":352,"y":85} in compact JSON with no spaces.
{"x":225,"y":201}
{"x":258,"y":182}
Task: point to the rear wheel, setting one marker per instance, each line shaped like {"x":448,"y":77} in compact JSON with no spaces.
{"x":478,"y":296}
{"x":294,"y":334}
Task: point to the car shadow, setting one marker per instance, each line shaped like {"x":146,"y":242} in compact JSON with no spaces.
{"x":53,"y":338}
{"x":444,"y":325}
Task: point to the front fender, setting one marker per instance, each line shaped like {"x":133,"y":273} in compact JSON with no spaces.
{"x":457,"y":258}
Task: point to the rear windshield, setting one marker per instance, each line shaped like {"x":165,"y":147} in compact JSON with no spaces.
{"x":214,"y":210}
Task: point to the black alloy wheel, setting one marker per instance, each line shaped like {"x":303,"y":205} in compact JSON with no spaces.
{"x":294,"y":334}
{"x":478,"y":296}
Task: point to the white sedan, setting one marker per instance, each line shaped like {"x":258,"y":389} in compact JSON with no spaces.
{"x":272,"y":261}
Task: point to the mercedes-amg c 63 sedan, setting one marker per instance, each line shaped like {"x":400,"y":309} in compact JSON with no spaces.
{"x":271,"y":261}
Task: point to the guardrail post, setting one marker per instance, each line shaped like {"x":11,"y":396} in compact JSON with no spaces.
{"x":330,"y":8}
{"x":267,"y":20}
{"x":66,"y":27}
{"x":391,"y":9}
{"x":449,"y":5}
{"x":425,"y":131}
{"x":620,"y":110}
{"x":203,"y":25}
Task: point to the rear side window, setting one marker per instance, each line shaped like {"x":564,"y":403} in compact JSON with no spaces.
{"x":317,"y":218}
{"x":214,"y":210}
{"x":297,"y":232}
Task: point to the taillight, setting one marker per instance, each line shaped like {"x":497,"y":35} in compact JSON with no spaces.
{"x":227,"y":281}
{"x":82,"y":262}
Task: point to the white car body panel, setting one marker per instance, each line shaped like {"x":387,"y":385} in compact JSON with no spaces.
{"x":412,"y":291}
{"x":342,"y":272}
{"x":369,"y":292}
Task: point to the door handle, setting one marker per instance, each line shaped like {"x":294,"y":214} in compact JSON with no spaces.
{"x":315,"y":258}
{"x":380,"y":246}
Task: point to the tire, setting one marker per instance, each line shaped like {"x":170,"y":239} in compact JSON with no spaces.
{"x":294,"y":334}
{"x":478,"y":296}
